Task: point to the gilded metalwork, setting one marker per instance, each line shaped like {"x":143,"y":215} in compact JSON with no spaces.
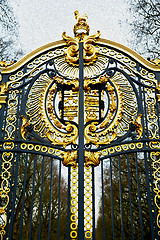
{"x":152,"y":116}
{"x":156,"y":62}
{"x":7,"y":158}
{"x":5,"y":64}
{"x":23,"y":128}
{"x":155,"y":157}
{"x":12,"y":115}
{"x":121,"y":112}
{"x":3,"y":90}
{"x":81,"y":30}
{"x":41,"y":117}
{"x":45,"y":123}
{"x":92,"y":158}
{"x":70,"y":158}
{"x":138,"y":123}
{"x":88,"y":202}
{"x":74,"y":203}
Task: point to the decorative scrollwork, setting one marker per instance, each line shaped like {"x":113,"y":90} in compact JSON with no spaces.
{"x":11,"y":118}
{"x":90,"y":53}
{"x":121,"y":112}
{"x":5,"y":189}
{"x":43,"y":116}
{"x":155,"y":157}
{"x":151,"y":116}
{"x":5,"y":64}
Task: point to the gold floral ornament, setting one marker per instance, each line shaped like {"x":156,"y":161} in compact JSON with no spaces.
{"x":81,"y":31}
{"x":3,"y":98}
{"x":92,"y":158}
{"x":69,"y":158}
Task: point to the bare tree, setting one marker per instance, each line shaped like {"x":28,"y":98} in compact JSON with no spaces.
{"x":9,"y":42}
{"x":145,"y":26}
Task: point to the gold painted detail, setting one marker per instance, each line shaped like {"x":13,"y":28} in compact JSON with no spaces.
{"x":23,"y":128}
{"x":122,"y":148}
{"x":3,"y":90}
{"x":74,"y":82}
{"x":122,"y":110}
{"x":88,"y":202}
{"x":81,"y":30}
{"x":12,"y":115}
{"x":127,"y":62}
{"x":155,"y":158}
{"x":158,"y":94}
{"x":74,"y":203}
{"x":138,"y":123}
{"x":5,"y":64}
{"x":40,"y":148}
{"x":7,"y":158}
{"x":87,"y":82}
{"x":156,"y":62}
{"x":151,"y":113}
{"x":92,"y":158}
{"x":70,"y":158}
{"x":42,"y":115}
{"x":70,"y":106}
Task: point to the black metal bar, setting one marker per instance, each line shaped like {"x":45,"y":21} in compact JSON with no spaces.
{"x":130,"y":199}
{"x":81,"y":149}
{"x":112,"y":199}
{"x":10,"y":193}
{"x":121,"y":203}
{"x":93,"y":204}
{"x":59,"y":200}
{"x":41,"y":198}
{"x":68,"y":203}
{"x":50,"y":199}
{"x":139,"y":196}
{"x":149,"y":197}
{"x":23,"y":199}
{"x":103,"y":200}
{"x":33,"y":185}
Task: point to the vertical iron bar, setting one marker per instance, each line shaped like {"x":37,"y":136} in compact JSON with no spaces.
{"x":59,"y":200}
{"x":112,"y":198}
{"x":93,"y":203}
{"x":68,"y":203}
{"x":23,"y":199}
{"x":149,"y":197}
{"x":120,"y":189}
{"x":139,"y":197}
{"x":41,"y":199}
{"x":10,"y":193}
{"x":33,"y":185}
{"x":81,"y":149}
{"x":102,"y":200}
{"x":50,"y":199}
{"x":130,"y":199}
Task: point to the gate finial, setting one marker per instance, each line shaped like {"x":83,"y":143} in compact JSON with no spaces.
{"x":81,"y":26}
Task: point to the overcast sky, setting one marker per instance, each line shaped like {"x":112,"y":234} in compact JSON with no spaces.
{"x":44,"y":21}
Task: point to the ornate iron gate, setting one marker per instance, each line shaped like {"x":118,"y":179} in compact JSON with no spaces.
{"x":79,"y":142}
